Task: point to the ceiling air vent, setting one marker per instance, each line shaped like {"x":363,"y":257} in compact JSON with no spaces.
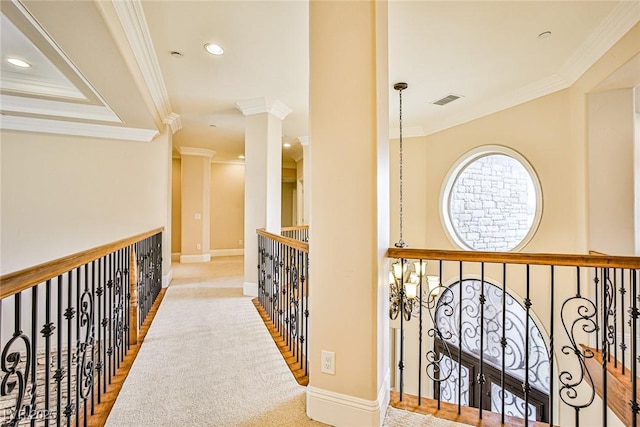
{"x":447,"y":99}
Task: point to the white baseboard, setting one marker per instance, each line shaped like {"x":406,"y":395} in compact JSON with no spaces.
{"x":177,"y":257}
{"x":339,"y":410}
{"x":250,"y":289}
{"x":195,"y":258}
{"x":226,"y":252}
{"x":167,"y":278}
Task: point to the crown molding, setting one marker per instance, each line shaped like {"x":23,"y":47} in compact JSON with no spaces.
{"x":25,"y":84}
{"x":45,"y":107}
{"x":263,"y":104}
{"x":298,"y":155}
{"x":228,"y":162}
{"x":174,"y":122}
{"x":131,"y":16}
{"x":195,"y":151}
{"x":31,"y":124}
{"x":615,"y":25}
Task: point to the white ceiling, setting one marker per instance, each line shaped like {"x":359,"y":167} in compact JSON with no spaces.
{"x":487,"y":51}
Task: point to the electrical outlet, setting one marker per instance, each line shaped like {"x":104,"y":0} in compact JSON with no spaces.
{"x":198,"y":246}
{"x":328,"y":362}
{"x":197,"y":216}
{"x":240,"y":242}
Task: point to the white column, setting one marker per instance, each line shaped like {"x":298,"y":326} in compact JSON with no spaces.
{"x":196,"y":204}
{"x":263,"y":178}
{"x":306,"y":159}
{"x":167,"y":272}
{"x":349,"y":231}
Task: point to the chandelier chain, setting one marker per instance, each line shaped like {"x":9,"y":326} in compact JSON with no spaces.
{"x":401,"y":243}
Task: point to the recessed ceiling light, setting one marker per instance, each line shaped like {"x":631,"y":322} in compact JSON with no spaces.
{"x":544,"y":35}
{"x":286,"y":145}
{"x":241,"y":156}
{"x":18,"y":62}
{"x":176,"y":54}
{"x":212,"y":125}
{"x":213,"y":49}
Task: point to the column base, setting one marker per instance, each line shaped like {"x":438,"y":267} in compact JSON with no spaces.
{"x":343,"y":410}
{"x":195,"y":258}
{"x":167,"y":278}
{"x":250,"y":289}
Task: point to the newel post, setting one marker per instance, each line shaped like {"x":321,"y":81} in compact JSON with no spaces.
{"x":133,"y":301}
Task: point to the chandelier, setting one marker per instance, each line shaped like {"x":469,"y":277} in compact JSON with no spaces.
{"x":406,"y":278}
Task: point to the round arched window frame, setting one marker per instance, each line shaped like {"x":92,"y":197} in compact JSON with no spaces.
{"x":452,"y":178}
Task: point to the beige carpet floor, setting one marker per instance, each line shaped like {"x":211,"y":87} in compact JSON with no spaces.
{"x":208,"y":360}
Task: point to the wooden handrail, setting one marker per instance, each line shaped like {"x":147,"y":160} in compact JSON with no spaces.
{"x":18,"y":281}
{"x":296,"y":244}
{"x":295,"y":227}
{"x":570,"y":260}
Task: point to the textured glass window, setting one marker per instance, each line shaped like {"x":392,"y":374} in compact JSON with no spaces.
{"x":492,"y":201}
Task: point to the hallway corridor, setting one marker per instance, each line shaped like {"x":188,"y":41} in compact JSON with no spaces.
{"x":208,"y":360}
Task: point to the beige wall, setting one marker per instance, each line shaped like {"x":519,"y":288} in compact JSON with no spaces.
{"x":611,"y":156}
{"x":550,"y":132}
{"x":64,"y":194}
{"x":227,"y":206}
{"x":428,"y":160}
{"x":176,"y":209}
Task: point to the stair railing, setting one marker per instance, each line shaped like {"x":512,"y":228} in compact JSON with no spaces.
{"x":283,"y":289}
{"x":516,"y":336}
{"x":67,"y":325}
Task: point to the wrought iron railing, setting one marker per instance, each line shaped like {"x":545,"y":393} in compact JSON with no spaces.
{"x":534,"y":337}
{"x":298,"y":232}
{"x":67,"y":325}
{"x":283,"y":289}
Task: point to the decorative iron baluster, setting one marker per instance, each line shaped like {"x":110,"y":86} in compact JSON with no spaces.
{"x":480,"y":379}
{"x":503,"y":341}
{"x":59,"y":375}
{"x":623,"y":345}
{"x":69,"y":314}
{"x":93,"y":353}
{"x":118,"y":327}
{"x":460,"y":343}
{"x":441,"y":305}
{"x":47,"y":331}
{"x":633,"y":315}
{"x":607,"y":329}
{"x":596,"y":294}
{"x":305,"y":285}
{"x":84,"y":352}
{"x":294,"y":304}
{"x":551,"y":343}
{"x":526,"y":386}
{"x":16,"y":371}
{"x":421,"y":279}
{"x":33,"y":390}
{"x":585,"y":322}
{"x":75,"y":350}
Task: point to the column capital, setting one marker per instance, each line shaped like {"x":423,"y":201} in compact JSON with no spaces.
{"x":195,"y":151}
{"x":263,"y":104}
{"x":304,"y":141}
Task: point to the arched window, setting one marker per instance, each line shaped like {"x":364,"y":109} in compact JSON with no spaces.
{"x":492,"y":200}
{"x":455,"y":314}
